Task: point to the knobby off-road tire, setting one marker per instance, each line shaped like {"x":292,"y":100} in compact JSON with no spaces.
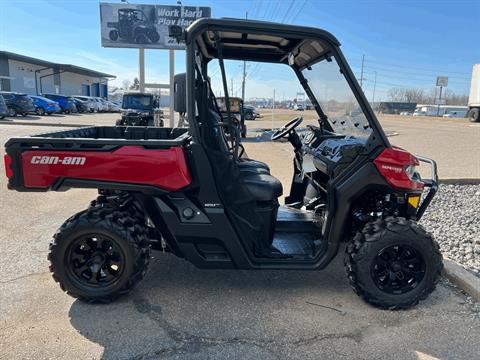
{"x":127,"y":235}
{"x":386,"y":235}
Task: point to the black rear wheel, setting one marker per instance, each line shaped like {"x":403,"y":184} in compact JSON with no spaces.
{"x":100,"y":254}
{"x":40,"y":111}
{"x":393,"y":263}
{"x":474,"y":115}
{"x":113,"y":35}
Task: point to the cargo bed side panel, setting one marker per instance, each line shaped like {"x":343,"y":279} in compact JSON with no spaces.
{"x":163,"y":168}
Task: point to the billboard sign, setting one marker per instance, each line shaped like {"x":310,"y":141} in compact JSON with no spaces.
{"x":442,"y":81}
{"x":145,"y":26}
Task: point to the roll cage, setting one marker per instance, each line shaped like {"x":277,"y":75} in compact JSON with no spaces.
{"x":258,"y":41}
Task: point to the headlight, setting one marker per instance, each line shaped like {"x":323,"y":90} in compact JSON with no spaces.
{"x":410,"y":171}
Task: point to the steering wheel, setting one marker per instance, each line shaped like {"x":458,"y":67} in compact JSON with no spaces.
{"x":287,"y":128}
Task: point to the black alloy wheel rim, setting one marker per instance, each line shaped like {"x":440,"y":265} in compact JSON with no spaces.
{"x":398,"y":269}
{"x":95,"y":261}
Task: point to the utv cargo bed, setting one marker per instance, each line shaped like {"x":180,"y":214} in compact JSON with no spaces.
{"x":99,"y":157}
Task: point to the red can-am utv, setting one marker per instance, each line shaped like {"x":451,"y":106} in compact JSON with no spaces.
{"x":194,"y":193}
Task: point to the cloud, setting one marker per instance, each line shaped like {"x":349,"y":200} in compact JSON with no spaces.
{"x":120,"y":70}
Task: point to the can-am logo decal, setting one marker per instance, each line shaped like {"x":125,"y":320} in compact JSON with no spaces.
{"x":66,"y":160}
{"x":392,"y":168}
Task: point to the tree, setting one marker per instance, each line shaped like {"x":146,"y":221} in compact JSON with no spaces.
{"x":414,"y":95}
{"x":410,"y":95}
{"x":126,"y":84}
{"x":396,"y":95}
{"x":135,"y":85}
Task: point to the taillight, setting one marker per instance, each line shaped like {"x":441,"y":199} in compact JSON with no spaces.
{"x":50,"y":104}
{"x":8,"y":162}
{"x":397,"y":166}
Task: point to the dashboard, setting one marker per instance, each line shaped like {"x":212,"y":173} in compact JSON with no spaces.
{"x":328,"y":152}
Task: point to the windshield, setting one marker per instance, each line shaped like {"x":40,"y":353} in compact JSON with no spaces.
{"x":336,"y":99}
{"x":137,"y":102}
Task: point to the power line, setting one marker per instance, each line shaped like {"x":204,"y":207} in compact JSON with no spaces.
{"x":288,"y":11}
{"x":415,"y":73}
{"x":433,"y":70}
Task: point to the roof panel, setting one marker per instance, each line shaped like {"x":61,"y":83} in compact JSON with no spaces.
{"x":49,"y":64}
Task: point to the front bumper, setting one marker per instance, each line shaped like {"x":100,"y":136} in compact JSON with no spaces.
{"x":430,"y":184}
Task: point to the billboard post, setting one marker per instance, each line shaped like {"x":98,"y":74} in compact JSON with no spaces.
{"x":441,"y":81}
{"x":141,"y":69}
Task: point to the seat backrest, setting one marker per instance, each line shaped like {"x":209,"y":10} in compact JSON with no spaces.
{"x":218,"y":137}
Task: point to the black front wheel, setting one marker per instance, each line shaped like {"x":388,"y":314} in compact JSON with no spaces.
{"x":393,"y":263}
{"x":141,"y":38}
{"x":12,"y":112}
{"x":100,"y":254}
{"x":153,"y":36}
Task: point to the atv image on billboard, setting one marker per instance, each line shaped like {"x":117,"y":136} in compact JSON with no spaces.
{"x":145,"y":26}
{"x":133,"y":26}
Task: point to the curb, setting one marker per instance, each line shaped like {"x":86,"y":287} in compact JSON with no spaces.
{"x":460,"y":181}
{"x":461,"y":278}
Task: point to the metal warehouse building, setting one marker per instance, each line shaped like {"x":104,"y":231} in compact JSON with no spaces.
{"x":34,"y":76}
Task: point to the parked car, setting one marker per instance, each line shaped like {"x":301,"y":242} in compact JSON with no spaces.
{"x":406,"y":113}
{"x":90,"y":102}
{"x":140,"y":109}
{"x":81,"y":105}
{"x":298,"y":107}
{"x":18,"y":103}
{"x":44,"y":105}
{"x":112,"y":107}
{"x":102,"y":105}
{"x":250,"y":112}
{"x":3,"y":108}
{"x":67,"y":103}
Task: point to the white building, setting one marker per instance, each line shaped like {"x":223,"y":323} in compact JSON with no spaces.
{"x":33,"y":76}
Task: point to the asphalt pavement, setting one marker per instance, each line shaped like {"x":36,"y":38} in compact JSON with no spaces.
{"x":180,"y":312}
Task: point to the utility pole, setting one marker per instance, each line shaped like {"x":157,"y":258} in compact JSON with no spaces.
{"x":374,"y":88}
{"x":231,"y":87}
{"x":361,"y":73}
{"x":244,"y":70}
{"x":273,"y":109}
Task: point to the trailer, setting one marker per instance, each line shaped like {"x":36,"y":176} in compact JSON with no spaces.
{"x":474,"y":98}
{"x":440,"y":110}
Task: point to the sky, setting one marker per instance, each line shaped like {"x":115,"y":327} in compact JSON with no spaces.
{"x":405,"y":43}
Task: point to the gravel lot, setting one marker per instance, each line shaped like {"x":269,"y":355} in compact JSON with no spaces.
{"x":454,"y":219}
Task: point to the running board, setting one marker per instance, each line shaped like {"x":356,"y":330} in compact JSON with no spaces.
{"x":291,"y":220}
